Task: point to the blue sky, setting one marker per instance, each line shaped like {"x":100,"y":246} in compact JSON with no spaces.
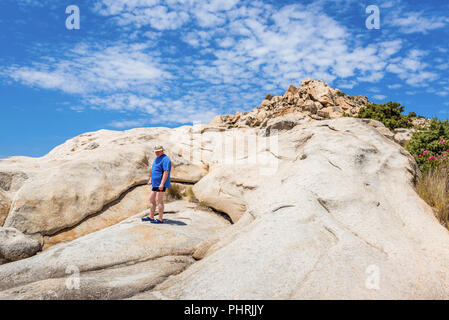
{"x":137,"y":63}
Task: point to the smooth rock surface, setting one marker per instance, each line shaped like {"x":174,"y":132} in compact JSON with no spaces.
{"x":322,"y":210}
{"x":133,"y":202}
{"x":116,"y":262}
{"x":339,"y":219}
{"x":4,"y":207}
{"x":14,"y":245}
{"x":87,"y":173}
{"x":403,"y":135}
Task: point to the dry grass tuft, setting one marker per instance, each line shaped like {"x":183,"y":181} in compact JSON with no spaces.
{"x":433,"y":187}
{"x":190,"y":195}
{"x":175,"y":192}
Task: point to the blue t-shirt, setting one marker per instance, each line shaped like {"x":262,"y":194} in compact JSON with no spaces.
{"x":160,"y":164}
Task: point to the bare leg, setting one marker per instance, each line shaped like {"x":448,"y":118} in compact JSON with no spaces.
{"x":160,"y":204}
{"x":152,"y":204}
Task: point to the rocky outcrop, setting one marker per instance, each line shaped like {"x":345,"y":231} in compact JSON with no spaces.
{"x":314,"y":99}
{"x":4,"y":207}
{"x":14,"y":245}
{"x":421,"y":122}
{"x":80,"y":180}
{"x":338,"y":219}
{"x":403,"y":135}
{"x":319,"y":210}
{"x":114,"y":263}
{"x":133,"y":201}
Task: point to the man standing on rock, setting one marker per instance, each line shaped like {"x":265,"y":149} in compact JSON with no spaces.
{"x":160,"y":181}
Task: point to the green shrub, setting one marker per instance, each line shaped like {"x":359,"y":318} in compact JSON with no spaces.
{"x":340,"y":93}
{"x":430,"y":146}
{"x":390,"y":114}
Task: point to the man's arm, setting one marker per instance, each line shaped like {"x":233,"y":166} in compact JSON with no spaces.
{"x":164,"y":178}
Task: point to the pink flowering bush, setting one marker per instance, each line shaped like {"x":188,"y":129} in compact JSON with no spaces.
{"x":430,"y":146}
{"x":427,"y":159}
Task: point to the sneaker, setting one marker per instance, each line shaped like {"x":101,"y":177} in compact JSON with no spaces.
{"x":147,"y":219}
{"x":157,"y":221}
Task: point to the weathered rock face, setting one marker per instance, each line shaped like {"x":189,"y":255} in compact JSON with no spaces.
{"x":314,"y":99}
{"x":116,"y":262}
{"x":421,"y":122}
{"x":4,"y":207}
{"x":320,"y":209}
{"x":134,"y":201}
{"x":339,"y":219}
{"x":84,"y":176}
{"x":14,"y":245}
{"x":403,"y":135}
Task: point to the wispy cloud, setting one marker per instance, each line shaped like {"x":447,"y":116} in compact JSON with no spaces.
{"x":394,"y":86}
{"x":379,"y":97}
{"x":121,"y":124}
{"x":93,"y":68}
{"x":223,"y":55}
{"x":417,"y":22}
{"x":411,"y":68}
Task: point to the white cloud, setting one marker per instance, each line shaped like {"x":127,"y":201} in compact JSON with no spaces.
{"x":443,"y":66}
{"x":121,"y":124}
{"x":90,"y":69}
{"x":36,"y":3}
{"x":300,"y":43}
{"x":166,"y":15}
{"x":379,"y":97}
{"x":417,"y":22}
{"x":443,"y":92}
{"x":411,"y":69}
{"x":77,"y":108}
{"x":389,"y":4}
{"x":346,"y":84}
{"x":238,"y":52}
{"x":295,"y":42}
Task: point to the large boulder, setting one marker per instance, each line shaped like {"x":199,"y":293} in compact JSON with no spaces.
{"x":129,"y":204}
{"x":319,"y":91}
{"x":14,"y":245}
{"x":338,"y":219}
{"x":314,"y":98}
{"x":4,"y":207}
{"x":282,"y":123}
{"x":403,"y":135}
{"x":83,"y":176}
{"x":333,"y":215}
{"x":65,"y":194}
{"x":115,"y":262}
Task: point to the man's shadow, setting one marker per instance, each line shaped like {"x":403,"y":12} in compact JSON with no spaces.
{"x":174,"y":222}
